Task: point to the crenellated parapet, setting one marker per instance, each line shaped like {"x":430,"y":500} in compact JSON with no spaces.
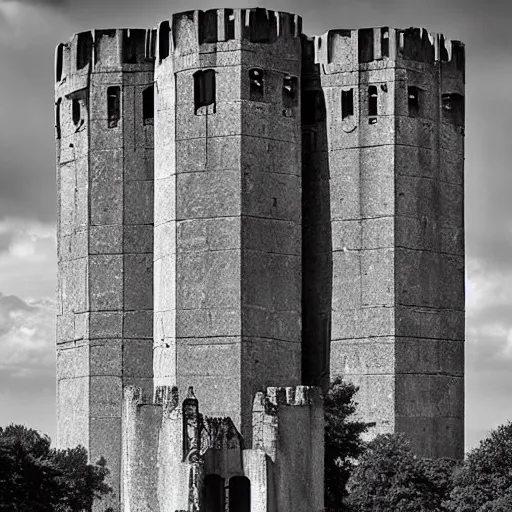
{"x":372,"y":48}
{"x":102,"y":51}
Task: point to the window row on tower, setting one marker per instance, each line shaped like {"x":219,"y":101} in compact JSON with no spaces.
{"x":313,"y":104}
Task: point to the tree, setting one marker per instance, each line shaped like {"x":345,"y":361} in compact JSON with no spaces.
{"x":36,"y":478}
{"x":389,"y":476}
{"x":484,"y":482}
{"x":343,"y":443}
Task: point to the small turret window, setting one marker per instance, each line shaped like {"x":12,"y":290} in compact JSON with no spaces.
{"x":113,"y":106}
{"x":148,"y":105}
{"x":204,"y":88}
{"x":75,"y":111}
{"x":256,"y":84}
{"x":229,"y":24}
{"x":347,"y":103}
{"x":290,"y":91}
{"x":384,"y":42}
{"x":59,"y":63}
{"x":57,"y":118}
{"x":163,"y":40}
{"x":413,"y":100}
{"x":373,"y":108}
{"x":453,"y":108}
{"x":83,"y":50}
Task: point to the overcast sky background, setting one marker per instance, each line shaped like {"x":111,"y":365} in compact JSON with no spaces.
{"x":29,"y":32}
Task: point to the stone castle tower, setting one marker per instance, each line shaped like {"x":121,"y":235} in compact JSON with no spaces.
{"x":251,"y":212}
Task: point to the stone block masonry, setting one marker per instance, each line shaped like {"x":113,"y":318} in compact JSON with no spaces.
{"x":244,"y":209}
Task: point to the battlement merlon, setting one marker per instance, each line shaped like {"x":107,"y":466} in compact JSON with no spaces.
{"x":197,"y":31}
{"x":345,"y":50}
{"x":105,"y":50}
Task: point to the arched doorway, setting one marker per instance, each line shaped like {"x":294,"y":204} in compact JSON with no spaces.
{"x":214,"y":493}
{"x":239,"y":494}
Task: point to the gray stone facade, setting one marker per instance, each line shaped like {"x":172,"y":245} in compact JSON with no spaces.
{"x":242,"y":207}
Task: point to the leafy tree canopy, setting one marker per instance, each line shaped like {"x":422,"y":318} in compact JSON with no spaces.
{"x":343,"y":443}
{"x":484,"y":482}
{"x":36,"y":478}
{"x":390,"y":477}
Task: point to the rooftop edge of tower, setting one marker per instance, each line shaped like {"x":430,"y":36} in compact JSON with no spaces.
{"x":105,"y":50}
{"x":191,"y":31}
{"x":343,"y":50}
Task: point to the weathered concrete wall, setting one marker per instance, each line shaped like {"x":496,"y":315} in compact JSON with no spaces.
{"x":397,"y":229}
{"x":227,"y":203}
{"x":105,"y":177}
{"x":288,"y":425}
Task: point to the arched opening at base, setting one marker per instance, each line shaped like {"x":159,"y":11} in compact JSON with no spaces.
{"x":239,"y":494}
{"x":214,"y":493}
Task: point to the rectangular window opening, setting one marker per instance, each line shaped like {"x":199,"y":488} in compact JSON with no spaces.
{"x":453,"y":108}
{"x":256,"y":80}
{"x":59,"y":63}
{"x":57,"y":118}
{"x":229,"y":24}
{"x":163,"y":40}
{"x":373,"y":108}
{"x":148,"y":105}
{"x":347,"y":103}
{"x":204,"y":88}
{"x":413,"y":100}
{"x":384,"y":42}
{"x":290,"y":91}
{"x":75,"y":110}
{"x":83,"y":50}
{"x":113,"y":106}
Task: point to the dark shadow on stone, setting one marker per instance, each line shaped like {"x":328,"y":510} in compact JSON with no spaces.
{"x":316,"y":228}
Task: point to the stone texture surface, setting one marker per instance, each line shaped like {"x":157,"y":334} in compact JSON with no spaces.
{"x":267,"y":239}
{"x":105,"y":233}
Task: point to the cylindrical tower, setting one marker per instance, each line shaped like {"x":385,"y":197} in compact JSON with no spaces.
{"x":228,"y":206}
{"x":395,"y":132}
{"x":104,"y":130}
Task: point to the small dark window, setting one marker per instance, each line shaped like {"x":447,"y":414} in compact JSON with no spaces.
{"x":204,"y":88}
{"x":229,"y":24}
{"x":384,"y":42}
{"x":75,"y":109}
{"x":413,"y":100}
{"x":256,"y":84}
{"x":453,"y":108}
{"x":347,"y":103}
{"x":59,"y":63}
{"x":57,"y":118}
{"x":312,"y":107}
{"x":163,"y":40}
{"x":365,"y":46}
{"x":214,"y":493}
{"x":134,"y":41}
{"x":290,"y":91}
{"x":148,"y":104}
{"x":83,"y":50}
{"x":372,"y":100}
{"x":239,"y":494}
{"x":113,"y":106}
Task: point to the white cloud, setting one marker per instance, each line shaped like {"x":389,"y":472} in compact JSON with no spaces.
{"x":28,"y":262}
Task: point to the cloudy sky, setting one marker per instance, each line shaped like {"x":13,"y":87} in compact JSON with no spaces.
{"x":29,"y":31}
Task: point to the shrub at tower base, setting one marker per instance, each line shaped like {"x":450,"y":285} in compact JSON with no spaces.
{"x":343,"y":443}
{"x":388,"y":476}
{"x":37,"y":478}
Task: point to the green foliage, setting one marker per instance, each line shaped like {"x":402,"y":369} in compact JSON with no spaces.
{"x":390,"y":477}
{"x":36,"y":478}
{"x":343,"y":443}
{"x":484,"y":482}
